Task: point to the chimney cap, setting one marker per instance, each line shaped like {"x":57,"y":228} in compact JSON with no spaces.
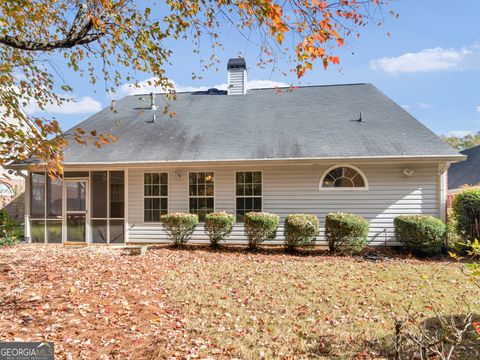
{"x":236,"y":63}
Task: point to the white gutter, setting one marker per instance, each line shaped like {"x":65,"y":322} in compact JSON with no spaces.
{"x":452,"y":158}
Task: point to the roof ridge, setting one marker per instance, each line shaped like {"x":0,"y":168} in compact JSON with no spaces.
{"x":265,"y":88}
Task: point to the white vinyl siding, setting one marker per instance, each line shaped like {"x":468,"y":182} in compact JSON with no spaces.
{"x":237,"y":81}
{"x":289,"y":189}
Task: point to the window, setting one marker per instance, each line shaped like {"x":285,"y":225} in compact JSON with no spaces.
{"x":248,"y":189}
{"x":155,"y":201}
{"x":201,"y":192}
{"x":343,"y":177}
{"x":6,"y":190}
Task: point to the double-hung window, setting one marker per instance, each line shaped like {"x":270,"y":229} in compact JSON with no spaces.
{"x":155,"y":196}
{"x":248,"y":189}
{"x":201,"y":193}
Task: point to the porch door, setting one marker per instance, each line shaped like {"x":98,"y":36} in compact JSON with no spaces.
{"x":76,"y":210}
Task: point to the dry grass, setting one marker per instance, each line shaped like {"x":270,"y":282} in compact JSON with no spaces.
{"x":282,"y":306}
{"x":96,"y":303}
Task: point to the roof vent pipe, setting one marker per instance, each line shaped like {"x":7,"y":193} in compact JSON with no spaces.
{"x":360,"y":119}
{"x":152,"y":101}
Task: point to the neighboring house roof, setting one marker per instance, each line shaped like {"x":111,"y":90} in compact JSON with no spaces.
{"x":466,"y":172}
{"x":302,"y":123}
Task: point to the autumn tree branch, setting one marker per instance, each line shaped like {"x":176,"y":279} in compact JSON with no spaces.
{"x":82,"y":31}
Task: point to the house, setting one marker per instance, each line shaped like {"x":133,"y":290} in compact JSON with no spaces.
{"x":12,"y":185}
{"x":466,"y":173}
{"x":312,"y":149}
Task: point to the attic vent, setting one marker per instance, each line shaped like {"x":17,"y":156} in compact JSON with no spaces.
{"x":237,"y":76}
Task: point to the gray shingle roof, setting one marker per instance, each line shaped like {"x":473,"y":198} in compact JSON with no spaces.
{"x":307,"y":122}
{"x":466,"y":172}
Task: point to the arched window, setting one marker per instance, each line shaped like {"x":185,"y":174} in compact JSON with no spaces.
{"x":343,"y":177}
{"x":6,"y":190}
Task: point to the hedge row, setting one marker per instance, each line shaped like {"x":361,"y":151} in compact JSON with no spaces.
{"x":345,"y":233}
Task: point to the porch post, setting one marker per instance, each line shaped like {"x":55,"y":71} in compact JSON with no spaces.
{"x":26,"y":197}
{"x":125,"y":215}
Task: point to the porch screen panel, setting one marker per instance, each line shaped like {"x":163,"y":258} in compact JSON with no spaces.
{"x":116,"y":194}
{"x":37,"y":195}
{"x":45,"y":208}
{"x":248,"y":189}
{"x":116,"y":231}
{"x":99,"y":194}
{"x":54,"y":198}
{"x":54,"y":231}
{"x":37,"y":231}
{"x":99,"y":231}
{"x":108,"y":206}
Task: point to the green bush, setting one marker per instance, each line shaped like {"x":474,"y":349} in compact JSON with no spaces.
{"x":179,"y":226}
{"x":300,"y":230}
{"x":346,"y":233}
{"x":218,"y":226}
{"x":453,"y":241}
{"x":466,"y":207}
{"x":420,"y":234}
{"x":9,"y":241}
{"x":9,"y":229}
{"x":260,"y":226}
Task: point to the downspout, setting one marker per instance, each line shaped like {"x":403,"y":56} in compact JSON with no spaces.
{"x":442,"y":190}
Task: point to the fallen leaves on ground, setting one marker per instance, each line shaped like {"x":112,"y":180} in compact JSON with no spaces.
{"x":100,"y":303}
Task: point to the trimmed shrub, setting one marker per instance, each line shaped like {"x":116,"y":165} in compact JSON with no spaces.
{"x":260,"y":226}
{"x":179,"y":226}
{"x":300,"y":230}
{"x":218,"y":226}
{"x":466,"y":207}
{"x":420,"y":234}
{"x":346,"y":233}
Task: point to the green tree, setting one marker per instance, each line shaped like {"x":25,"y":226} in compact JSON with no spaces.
{"x":463,"y":142}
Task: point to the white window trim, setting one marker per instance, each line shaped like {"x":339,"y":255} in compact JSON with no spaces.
{"x":197,"y":197}
{"x":235,"y":189}
{"x":8,"y":189}
{"x":160,"y":197}
{"x":365,"y":180}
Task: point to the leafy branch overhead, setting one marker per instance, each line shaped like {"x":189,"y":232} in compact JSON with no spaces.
{"x":114,"y":40}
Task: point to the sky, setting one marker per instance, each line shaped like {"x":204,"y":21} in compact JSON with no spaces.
{"x":427,"y":60}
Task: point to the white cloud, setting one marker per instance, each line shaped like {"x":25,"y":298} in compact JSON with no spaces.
{"x":459,"y":133}
{"x":84,"y":105}
{"x":147,"y":86}
{"x":435,"y":59}
{"x":425,"y":106}
{"x":406,"y":106}
{"x":478,"y":108}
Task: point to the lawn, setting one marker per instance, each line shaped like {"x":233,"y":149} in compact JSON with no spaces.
{"x":101,"y":303}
